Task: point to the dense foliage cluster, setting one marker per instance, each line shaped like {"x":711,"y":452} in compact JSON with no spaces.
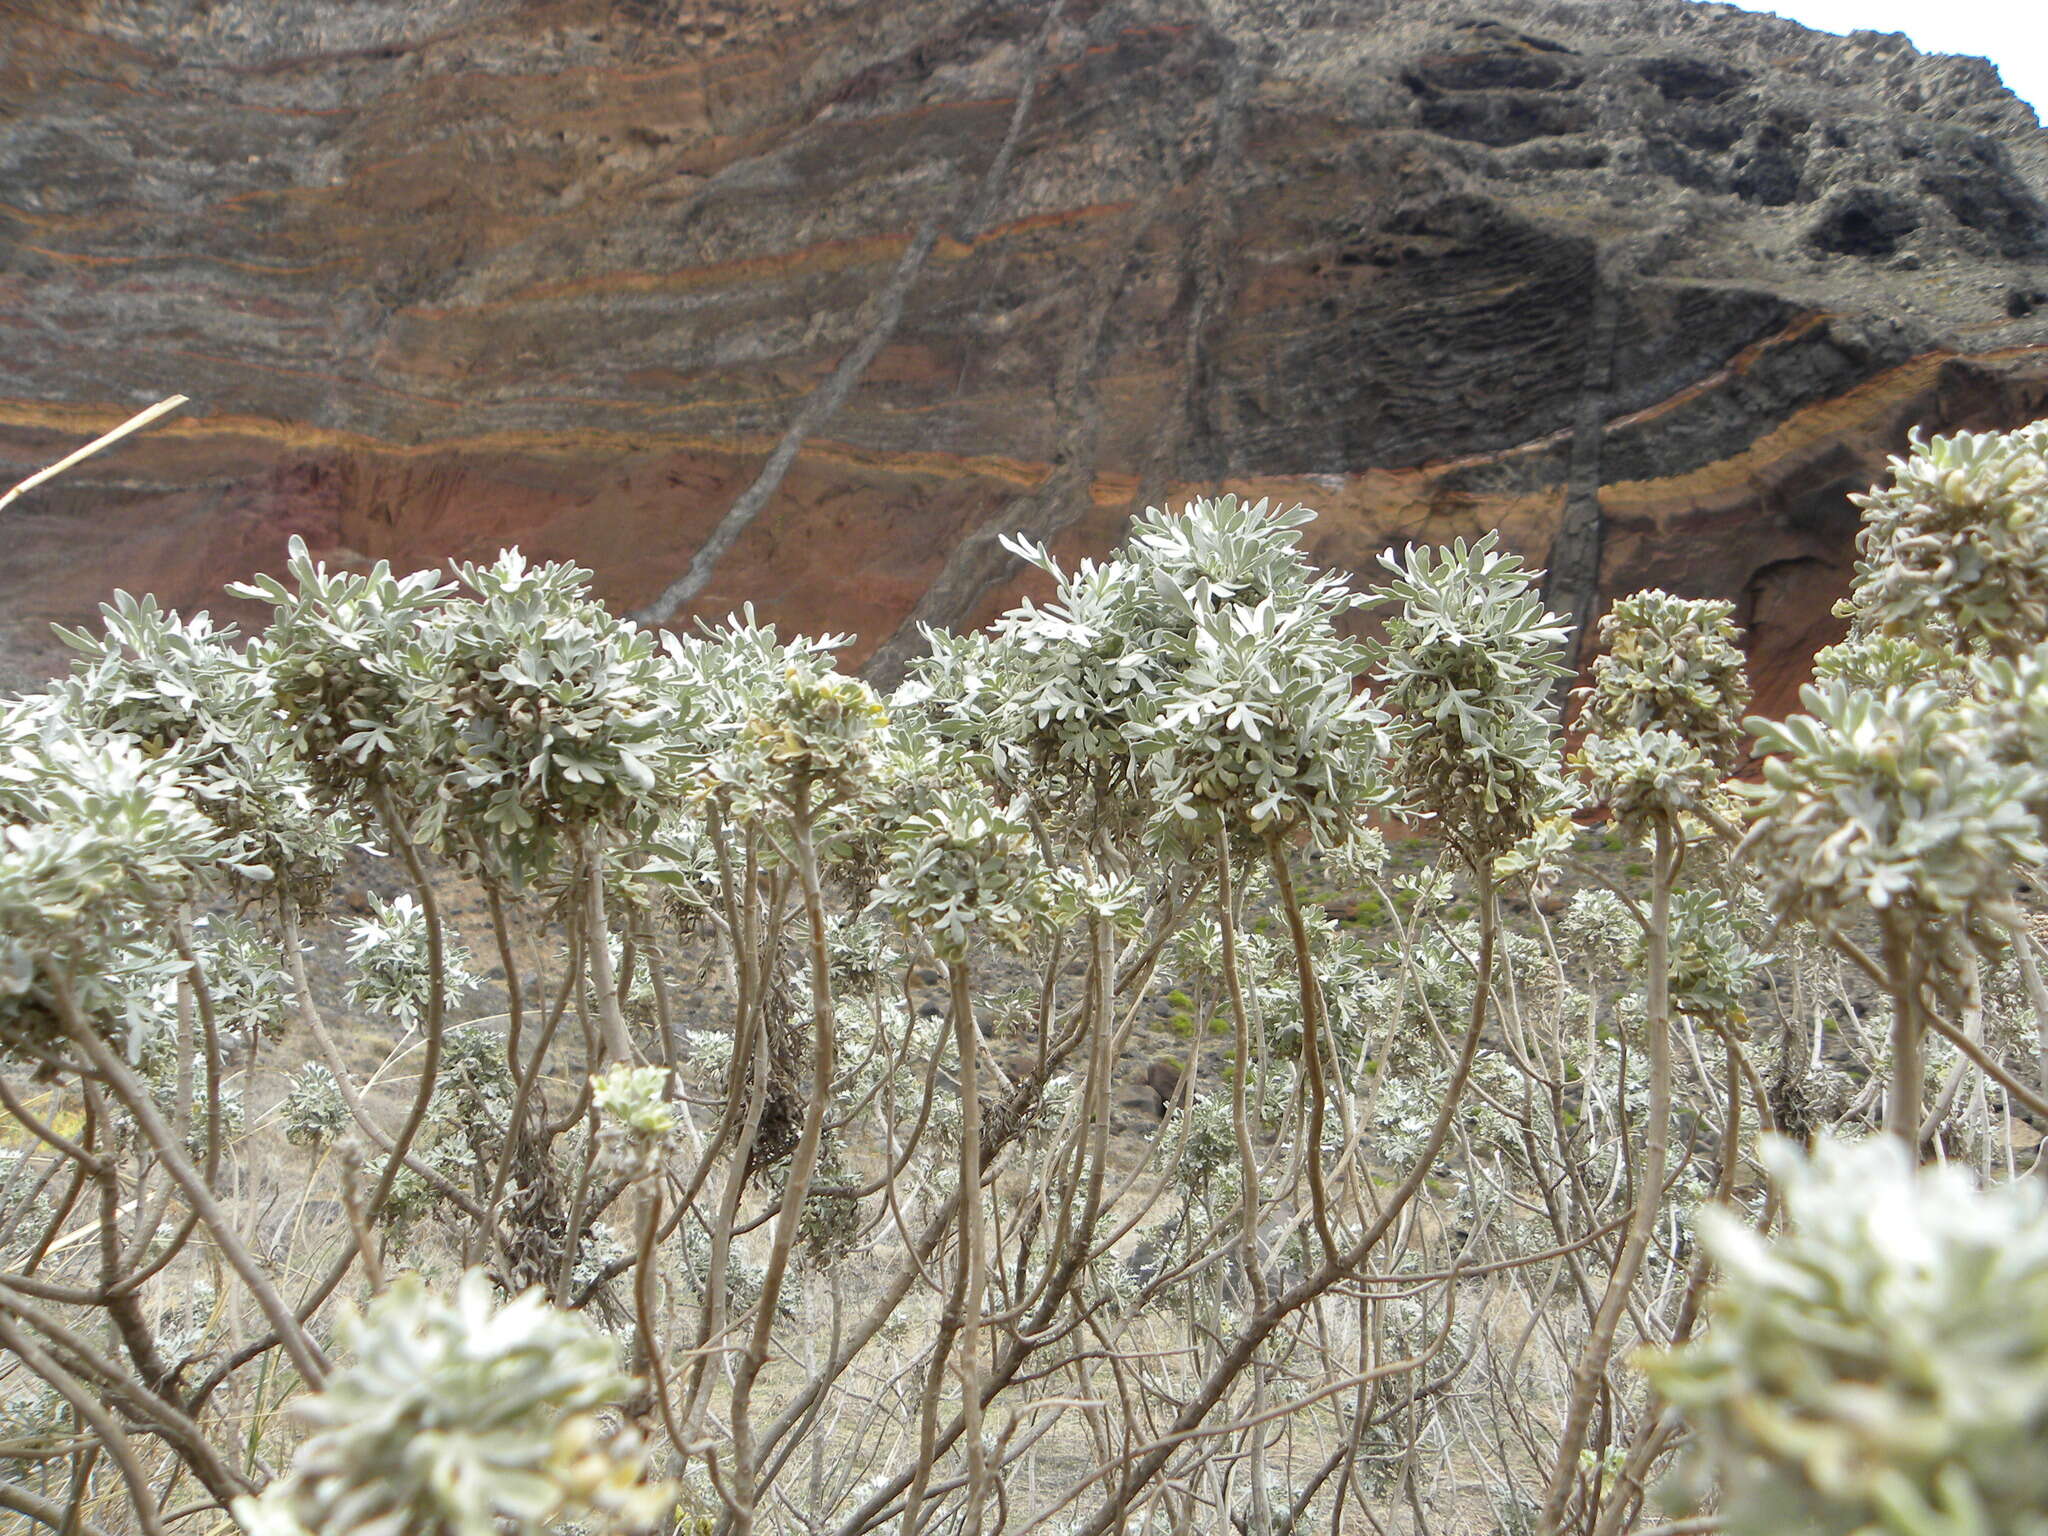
{"x":1883,"y":1365}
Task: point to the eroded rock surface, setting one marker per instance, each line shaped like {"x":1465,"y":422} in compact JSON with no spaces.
{"x":1648,"y":284}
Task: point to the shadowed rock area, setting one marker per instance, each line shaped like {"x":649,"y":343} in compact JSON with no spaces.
{"x":804,"y":301}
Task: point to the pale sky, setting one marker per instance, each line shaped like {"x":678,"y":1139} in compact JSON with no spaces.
{"x":2013,"y":34}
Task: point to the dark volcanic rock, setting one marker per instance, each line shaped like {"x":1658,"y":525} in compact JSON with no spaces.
{"x":1648,"y":284}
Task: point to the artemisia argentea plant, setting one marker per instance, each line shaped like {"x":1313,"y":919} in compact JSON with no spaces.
{"x":472,"y":1064}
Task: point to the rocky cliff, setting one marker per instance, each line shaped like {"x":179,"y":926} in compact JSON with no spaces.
{"x":804,"y":301}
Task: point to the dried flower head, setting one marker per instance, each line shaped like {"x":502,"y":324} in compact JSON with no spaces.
{"x":1466,"y":673}
{"x":1671,"y":663}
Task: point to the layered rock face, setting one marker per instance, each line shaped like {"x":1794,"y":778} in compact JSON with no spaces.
{"x":803,"y":302}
